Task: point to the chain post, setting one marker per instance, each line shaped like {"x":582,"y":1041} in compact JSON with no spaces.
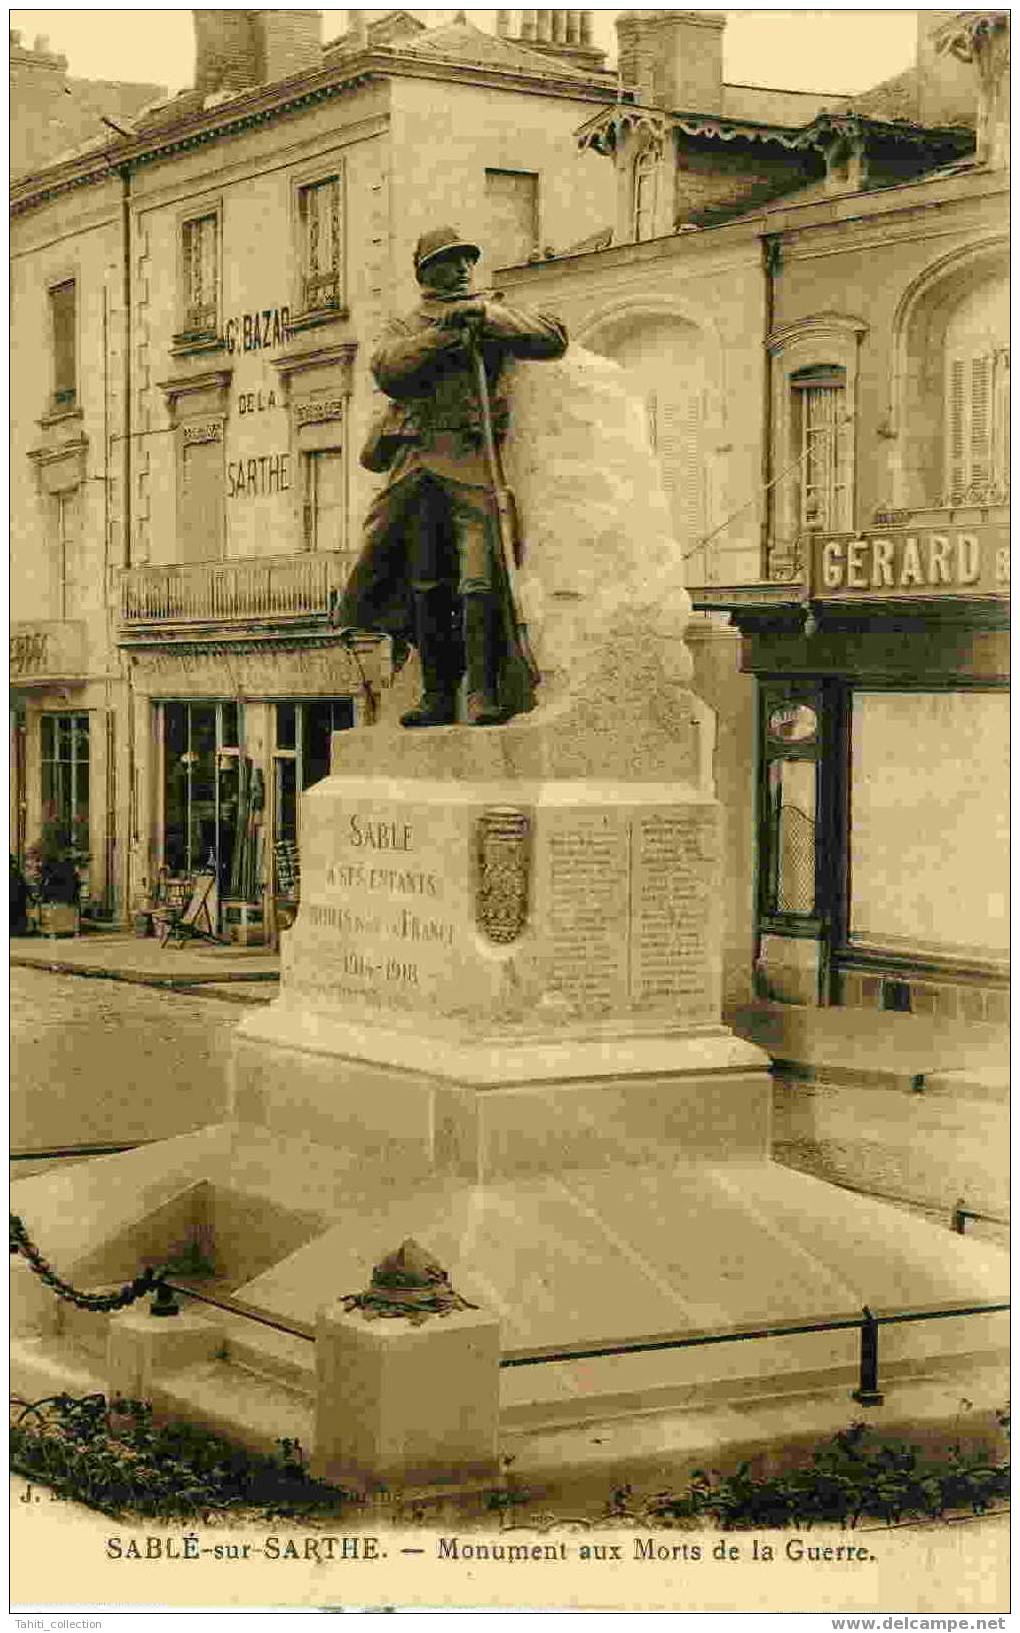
{"x":164,"y":1302}
{"x":867,"y":1392}
{"x":960,"y":1216}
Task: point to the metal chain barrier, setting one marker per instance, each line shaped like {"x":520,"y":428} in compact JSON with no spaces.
{"x":149,"y":1281}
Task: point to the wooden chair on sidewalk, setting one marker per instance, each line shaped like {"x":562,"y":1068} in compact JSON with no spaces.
{"x":187,"y":913}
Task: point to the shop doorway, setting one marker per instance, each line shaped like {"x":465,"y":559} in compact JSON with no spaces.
{"x":201,"y":788}
{"x":301,"y":758}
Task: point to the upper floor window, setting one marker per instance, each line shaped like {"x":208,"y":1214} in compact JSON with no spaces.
{"x":321,"y":227}
{"x":324,"y":499}
{"x":645,"y":195}
{"x":200,"y":268}
{"x":64,"y":333}
{"x":512,"y":221}
{"x":66,"y":577}
{"x":822,"y":448}
{"x":976,"y":387}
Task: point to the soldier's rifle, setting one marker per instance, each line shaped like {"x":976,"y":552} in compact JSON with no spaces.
{"x":508,"y":526}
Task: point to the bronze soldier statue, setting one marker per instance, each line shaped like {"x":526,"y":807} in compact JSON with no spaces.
{"x":431,"y":571}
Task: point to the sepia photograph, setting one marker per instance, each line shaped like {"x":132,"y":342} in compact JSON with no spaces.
{"x":509,"y":813}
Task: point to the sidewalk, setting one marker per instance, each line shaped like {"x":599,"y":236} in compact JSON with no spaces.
{"x":116,"y":955}
{"x":878,"y":1048}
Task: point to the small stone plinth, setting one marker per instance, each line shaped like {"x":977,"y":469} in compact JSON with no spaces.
{"x":401,"y":1403}
{"x":141,"y":1345}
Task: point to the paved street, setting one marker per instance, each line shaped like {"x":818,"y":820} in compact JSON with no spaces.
{"x":96,"y":1061}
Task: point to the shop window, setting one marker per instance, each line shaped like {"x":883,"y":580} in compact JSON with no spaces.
{"x":929,"y":835}
{"x":64,"y":336}
{"x":200,"y":274}
{"x":301,"y":758}
{"x":512,"y":219}
{"x":64,"y":752}
{"x":822,"y":448}
{"x":325,"y":509}
{"x":67,"y":588}
{"x":200,"y":499}
{"x":645,"y":195}
{"x":321,"y":246}
{"x":789,"y":817}
{"x":201,"y":788}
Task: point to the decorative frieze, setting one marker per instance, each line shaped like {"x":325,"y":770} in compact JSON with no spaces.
{"x":203,"y":431}
{"x":328,"y":408}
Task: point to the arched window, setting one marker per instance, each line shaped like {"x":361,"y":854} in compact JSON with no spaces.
{"x":822,"y":448}
{"x":976,"y":399}
{"x":645,"y":194}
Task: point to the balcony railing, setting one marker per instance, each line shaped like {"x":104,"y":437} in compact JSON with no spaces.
{"x":267,"y":589}
{"x":48,"y":651}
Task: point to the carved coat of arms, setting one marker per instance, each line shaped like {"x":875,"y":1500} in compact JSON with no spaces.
{"x":502,"y":872}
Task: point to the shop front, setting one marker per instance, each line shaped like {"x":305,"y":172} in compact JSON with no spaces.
{"x":219,"y":777}
{"x":62,"y":761}
{"x":883,"y":798}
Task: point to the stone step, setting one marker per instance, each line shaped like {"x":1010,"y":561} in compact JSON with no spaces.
{"x":277,"y":1356}
{"x":872,"y":1046}
{"x":242,"y":1405}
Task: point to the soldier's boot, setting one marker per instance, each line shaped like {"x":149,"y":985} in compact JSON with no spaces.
{"x":438,"y":651}
{"x":481,"y":650}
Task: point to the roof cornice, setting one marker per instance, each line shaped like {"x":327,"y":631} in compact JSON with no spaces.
{"x":261,"y":104}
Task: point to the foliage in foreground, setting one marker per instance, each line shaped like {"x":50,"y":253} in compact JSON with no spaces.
{"x":111,"y":1456}
{"x":852,"y":1477}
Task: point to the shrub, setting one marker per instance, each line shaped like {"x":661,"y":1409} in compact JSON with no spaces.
{"x":111,"y":1456}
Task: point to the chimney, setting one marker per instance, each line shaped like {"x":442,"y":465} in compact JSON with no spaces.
{"x":226,"y":57}
{"x":290,"y":43}
{"x":672,"y":59}
{"x":566,"y":34}
{"x":234,"y":49}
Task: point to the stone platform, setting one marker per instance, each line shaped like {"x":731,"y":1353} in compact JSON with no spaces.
{"x":499,"y":1033}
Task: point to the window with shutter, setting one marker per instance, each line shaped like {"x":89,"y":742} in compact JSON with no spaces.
{"x":64,"y":331}
{"x":321,"y":227}
{"x":976,"y":400}
{"x":823,"y":449}
{"x":324,"y":505}
{"x":645,"y":195}
{"x":675,"y":424}
{"x":200,"y":503}
{"x":67,"y":590}
{"x":200,"y":264}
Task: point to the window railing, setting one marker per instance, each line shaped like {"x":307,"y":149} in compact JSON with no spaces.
{"x":270,"y":588}
{"x":321,"y":291}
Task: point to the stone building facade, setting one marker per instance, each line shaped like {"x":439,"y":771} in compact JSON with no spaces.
{"x":194,"y":308}
{"x":816,"y":313}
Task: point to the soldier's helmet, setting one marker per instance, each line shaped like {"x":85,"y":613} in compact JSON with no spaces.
{"x":440,"y":241}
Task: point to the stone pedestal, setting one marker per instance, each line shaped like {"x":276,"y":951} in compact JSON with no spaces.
{"x":497,"y":976}
{"x":405,"y":1405}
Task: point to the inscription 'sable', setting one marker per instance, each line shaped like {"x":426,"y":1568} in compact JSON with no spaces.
{"x":502,"y":872}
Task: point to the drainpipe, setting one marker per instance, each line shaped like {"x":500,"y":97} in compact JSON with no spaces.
{"x":770,"y":264}
{"x":125,"y":216}
{"x":125,"y":552}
